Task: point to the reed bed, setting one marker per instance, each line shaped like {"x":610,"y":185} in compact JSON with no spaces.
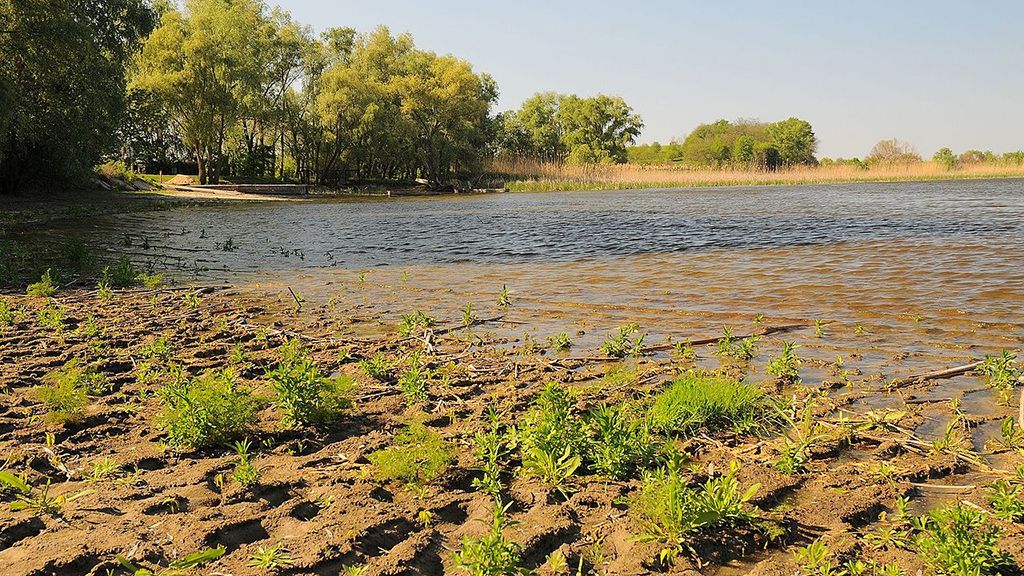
{"x":524,"y":175}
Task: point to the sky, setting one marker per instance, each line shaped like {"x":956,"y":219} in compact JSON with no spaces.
{"x":933,"y":73}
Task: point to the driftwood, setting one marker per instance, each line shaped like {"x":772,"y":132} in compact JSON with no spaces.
{"x":937,"y":375}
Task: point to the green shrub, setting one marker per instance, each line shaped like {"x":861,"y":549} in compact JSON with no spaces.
{"x":1007,"y":499}
{"x":491,"y":555}
{"x":621,"y":441}
{"x":413,"y":384}
{"x":46,"y":287}
{"x":417,"y":456}
{"x":64,"y":396}
{"x":553,"y":439}
{"x":377,"y":367}
{"x":52,"y":316}
{"x":701,"y":402}
{"x":205,"y":411}
{"x":668,"y":510}
{"x":304,"y":395}
{"x":959,"y":540}
{"x":120,"y":275}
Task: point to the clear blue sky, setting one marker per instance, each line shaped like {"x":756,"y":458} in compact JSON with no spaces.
{"x":935,"y":73}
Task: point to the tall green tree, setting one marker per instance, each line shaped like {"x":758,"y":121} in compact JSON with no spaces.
{"x":62,"y":83}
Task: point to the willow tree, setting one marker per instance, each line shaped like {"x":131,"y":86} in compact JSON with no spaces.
{"x":202,"y":64}
{"x":62,"y":83}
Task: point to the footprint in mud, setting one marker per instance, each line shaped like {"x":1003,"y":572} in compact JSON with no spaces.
{"x":15,"y":533}
{"x":305,"y":511}
{"x":235,"y":535}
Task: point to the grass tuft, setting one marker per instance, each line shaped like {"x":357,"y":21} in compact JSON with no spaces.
{"x":697,"y":401}
{"x":417,"y":456}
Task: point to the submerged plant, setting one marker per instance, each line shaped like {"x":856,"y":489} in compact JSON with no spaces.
{"x":698,"y":402}
{"x":303,"y":394}
{"x":417,"y":456}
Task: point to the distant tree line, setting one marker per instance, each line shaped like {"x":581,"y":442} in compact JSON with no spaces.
{"x":894,"y":152}
{"x":743,"y":144}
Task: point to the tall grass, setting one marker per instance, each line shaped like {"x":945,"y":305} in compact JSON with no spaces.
{"x":525,"y":175}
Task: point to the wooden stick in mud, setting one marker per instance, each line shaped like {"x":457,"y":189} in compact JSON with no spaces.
{"x":938,"y":374}
{"x":298,"y":304}
{"x":766,"y":332}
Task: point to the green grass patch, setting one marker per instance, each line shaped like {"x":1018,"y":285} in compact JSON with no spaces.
{"x":417,"y":456}
{"x":210,"y":410}
{"x":697,"y":401}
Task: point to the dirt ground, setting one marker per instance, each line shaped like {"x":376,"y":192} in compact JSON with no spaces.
{"x":318,"y":495}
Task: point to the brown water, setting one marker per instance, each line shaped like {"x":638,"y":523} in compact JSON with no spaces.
{"x":911,"y":276}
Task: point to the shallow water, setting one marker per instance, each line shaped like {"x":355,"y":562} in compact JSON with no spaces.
{"x":911,"y":276}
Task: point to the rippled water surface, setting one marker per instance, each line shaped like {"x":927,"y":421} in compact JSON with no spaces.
{"x":910,"y":276}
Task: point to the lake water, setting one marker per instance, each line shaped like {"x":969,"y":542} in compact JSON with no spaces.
{"x":910,"y":276}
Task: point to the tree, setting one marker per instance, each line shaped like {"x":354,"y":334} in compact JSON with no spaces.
{"x":62,"y":83}
{"x":794,"y":139}
{"x":893,"y":152}
{"x":946,"y":158}
{"x":203,"y":65}
{"x":750,"y":144}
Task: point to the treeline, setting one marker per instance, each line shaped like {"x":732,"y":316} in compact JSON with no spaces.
{"x":233,"y":88}
{"x":892,"y":152}
{"x":744,"y":144}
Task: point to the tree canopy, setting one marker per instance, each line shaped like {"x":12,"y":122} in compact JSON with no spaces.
{"x":750,"y":144}
{"x":556,"y":127}
{"x":62,"y":83}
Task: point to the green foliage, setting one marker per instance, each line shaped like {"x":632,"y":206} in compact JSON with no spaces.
{"x":946,"y":158}
{"x":621,"y":441}
{"x":958,"y":540}
{"x":65,"y":394}
{"x":304,"y":395}
{"x":205,"y":411}
{"x":377,"y":367}
{"x":415,"y":323}
{"x":553,"y":438}
{"x":246,"y":474}
{"x":417,"y":456}
{"x":270,"y":557}
{"x":750,"y":144}
{"x":490,"y":555}
{"x":77,"y":375}
{"x":62,"y":84}
{"x":743,"y":349}
{"x":52,"y":317}
{"x":8,"y":316}
{"x":1002,"y":373}
{"x":413,"y":384}
{"x":1007,"y":498}
{"x":785,"y":366}
{"x":177,"y":567}
{"x":697,"y":402}
{"x":39,"y":502}
{"x":491,"y":449}
{"x":46,"y":286}
{"x":668,"y":510}
{"x":627,"y":342}
{"x":120,"y":275}
{"x":559,"y":342}
{"x":555,"y":127}
{"x":803,"y":433}
{"x":504,"y":298}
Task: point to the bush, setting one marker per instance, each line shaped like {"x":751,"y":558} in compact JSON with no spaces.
{"x":668,"y":510}
{"x":417,"y":456}
{"x":46,"y":287}
{"x":304,"y":395}
{"x":205,"y":411}
{"x":621,"y":442}
{"x":696,"y":401}
{"x":65,"y":397}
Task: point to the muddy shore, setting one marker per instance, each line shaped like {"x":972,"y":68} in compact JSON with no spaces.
{"x":320,"y":497}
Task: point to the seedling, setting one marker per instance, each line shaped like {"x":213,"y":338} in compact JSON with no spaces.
{"x":1007,"y":499}
{"x":120,"y":275}
{"x":491,"y":555}
{"x":52,"y":317}
{"x":1011,"y":436}
{"x":802,"y":436}
{"x":415,"y":323}
{"x":304,"y":395}
{"x":959,"y":539}
{"x":819,"y":328}
{"x":1002,"y":374}
{"x":728,"y":346}
{"x":469,"y":316}
{"x":490,"y":451}
{"x":559,"y":342}
{"x":553,"y":439}
{"x":270,"y":557}
{"x":684,"y":352}
{"x":104,"y":469}
{"x":39,"y":502}
{"x":64,"y":396}
{"x":504,"y":298}
{"x":413,"y":384}
{"x":627,"y":342}
{"x":377,"y":367}
{"x":246,"y":474}
{"x":177,"y":567}
{"x":785,"y":366}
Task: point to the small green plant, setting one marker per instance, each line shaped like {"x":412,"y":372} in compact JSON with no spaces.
{"x":1011,"y":437}
{"x":621,"y":441}
{"x":246,"y":474}
{"x":192,"y":300}
{"x":559,"y":342}
{"x":417,"y":456}
{"x":959,"y":540}
{"x":785,"y":366}
{"x":151,"y":281}
{"x":699,"y":402}
{"x":504,"y":298}
{"x":7,"y":315}
{"x":819,"y":328}
{"x":270,"y":557}
{"x":52,"y":316}
{"x":491,"y":449}
{"x":684,"y":352}
{"x":469,"y":316}
{"x":103,"y":469}
{"x":159,"y":349}
{"x":46,"y":287}
{"x":121,"y":275}
{"x":728,"y":346}
{"x":668,"y":510}
{"x":553,"y":439}
{"x":413,"y":384}
{"x":76,"y":374}
{"x":803,"y":433}
{"x":627,"y":342}
{"x":1007,"y":499}
{"x":816,"y":559}
{"x":493,"y":554}
{"x":39,"y":502}
{"x":303,"y":394}
{"x":377,"y":367}
{"x":1002,"y":373}
{"x":179,"y":567}
{"x":204,"y":411}
{"x":65,"y":397}
{"x":415,"y":323}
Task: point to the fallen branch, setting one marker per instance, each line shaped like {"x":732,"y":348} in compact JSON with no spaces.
{"x":936,"y":375}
